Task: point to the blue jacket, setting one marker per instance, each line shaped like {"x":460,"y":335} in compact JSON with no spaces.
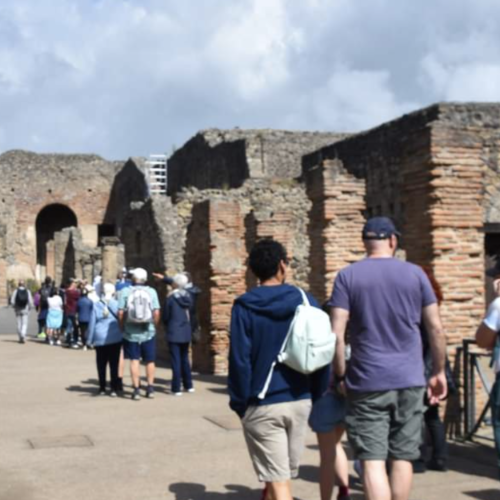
{"x":176,"y":317}
{"x":104,"y":328}
{"x":259,"y":323}
{"x":84,"y":309}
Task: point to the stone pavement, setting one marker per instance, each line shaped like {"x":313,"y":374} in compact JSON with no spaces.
{"x":60,"y":441}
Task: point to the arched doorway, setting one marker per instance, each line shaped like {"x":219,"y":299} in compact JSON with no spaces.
{"x":51,"y":219}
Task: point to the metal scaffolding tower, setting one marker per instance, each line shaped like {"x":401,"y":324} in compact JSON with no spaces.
{"x":157,"y":173}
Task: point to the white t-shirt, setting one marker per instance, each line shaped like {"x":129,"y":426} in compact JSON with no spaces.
{"x":492,"y":321}
{"x":55,"y":302}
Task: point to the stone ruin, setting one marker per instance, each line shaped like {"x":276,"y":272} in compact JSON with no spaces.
{"x":434,"y":171}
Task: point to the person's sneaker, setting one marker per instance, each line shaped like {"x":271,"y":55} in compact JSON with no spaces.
{"x":75,"y":346}
{"x":437,"y":464}
{"x":41,"y":336}
{"x":113,"y":394}
{"x":191,"y":390}
{"x":102,"y":393}
{"x":51,"y":342}
{"x":177,"y":393}
{"x":150,"y":392}
{"x":22,"y":341}
{"x":136,"y":396}
{"x":85,"y":348}
{"x":58,"y":342}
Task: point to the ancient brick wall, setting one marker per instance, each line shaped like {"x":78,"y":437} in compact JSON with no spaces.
{"x":335,"y":219}
{"x":216,"y":159}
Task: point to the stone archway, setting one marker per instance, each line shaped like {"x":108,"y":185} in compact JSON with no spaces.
{"x":51,"y":219}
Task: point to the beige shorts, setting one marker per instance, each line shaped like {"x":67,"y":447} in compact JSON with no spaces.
{"x":275,"y":436}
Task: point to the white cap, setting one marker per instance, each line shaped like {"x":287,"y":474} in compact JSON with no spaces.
{"x":140,"y":274}
{"x":180,"y":280}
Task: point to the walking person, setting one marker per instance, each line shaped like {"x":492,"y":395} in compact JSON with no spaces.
{"x":22,"y":302}
{"x":139,"y":316}
{"x":105,"y":336}
{"x":385,"y":300}
{"x":177,"y":321}
{"x":43,"y":307}
{"x":54,"y":317}
{"x":72,"y":296}
{"x":84,"y":308}
{"x":488,"y":337}
{"x":327,"y":420}
{"x":275,"y":426}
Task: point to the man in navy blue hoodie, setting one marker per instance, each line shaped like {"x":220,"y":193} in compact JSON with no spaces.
{"x":275,"y":426}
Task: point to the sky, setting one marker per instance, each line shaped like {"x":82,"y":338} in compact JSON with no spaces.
{"x":123,"y":78}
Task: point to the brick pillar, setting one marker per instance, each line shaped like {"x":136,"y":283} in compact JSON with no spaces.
{"x":456,"y":215}
{"x":336,"y":221}
{"x":456,"y":220}
{"x":227,"y":275}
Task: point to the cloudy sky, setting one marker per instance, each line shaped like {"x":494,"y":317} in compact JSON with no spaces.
{"x":127,"y":78}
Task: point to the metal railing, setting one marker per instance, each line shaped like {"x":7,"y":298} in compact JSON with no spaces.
{"x":471,"y":370}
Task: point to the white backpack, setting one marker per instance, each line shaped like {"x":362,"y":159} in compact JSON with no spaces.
{"x":139,"y":306}
{"x":309,"y":344}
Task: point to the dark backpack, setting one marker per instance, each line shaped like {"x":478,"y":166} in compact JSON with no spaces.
{"x":22,"y":298}
{"x":44,"y":296}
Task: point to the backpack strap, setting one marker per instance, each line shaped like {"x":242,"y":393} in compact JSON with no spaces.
{"x":263,"y":392}
{"x":109,"y":309}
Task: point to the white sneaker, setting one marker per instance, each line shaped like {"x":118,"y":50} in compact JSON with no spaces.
{"x":191,"y":390}
{"x":51,"y":342}
{"x":58,"y":342}
{"x":177,"y":393}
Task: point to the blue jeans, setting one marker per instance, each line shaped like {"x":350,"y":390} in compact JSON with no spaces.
{"x":495,"y":414}
{"x":179,"y":358}
{"x":71,"y":331}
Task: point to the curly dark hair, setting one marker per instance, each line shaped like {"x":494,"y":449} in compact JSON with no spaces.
{"x":265,"y":258}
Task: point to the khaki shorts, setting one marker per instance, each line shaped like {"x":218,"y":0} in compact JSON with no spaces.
{"x":386,"y":424}
{"x":275,"y":436}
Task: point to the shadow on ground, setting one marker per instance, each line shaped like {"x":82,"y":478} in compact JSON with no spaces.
{"x":484,"y":494}
{"x":196,"y":491}
{"x":473,"y":458}
{"x":89,"y":387}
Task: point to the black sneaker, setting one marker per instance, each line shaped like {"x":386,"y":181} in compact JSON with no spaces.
{"x":438,"y":464}
{"x":150,"y":392}
{"x":136,"y":396}
{"x":419,"y":466}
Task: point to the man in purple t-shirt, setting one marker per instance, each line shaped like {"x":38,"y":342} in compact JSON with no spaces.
{"x":385,"y":300}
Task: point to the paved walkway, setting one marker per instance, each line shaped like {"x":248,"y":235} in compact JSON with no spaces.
{"x":60,"y":441}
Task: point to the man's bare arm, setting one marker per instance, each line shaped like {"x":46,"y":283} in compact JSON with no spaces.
{"x":339,"y":318}
{"x":121,"y":319}
{"x":486,"y":337}
{"x":437,"y":339}
{"x":156,"y":317}
{"x":437,"y":387}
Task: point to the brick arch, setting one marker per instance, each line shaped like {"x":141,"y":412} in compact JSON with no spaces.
{"x":50,"y":219}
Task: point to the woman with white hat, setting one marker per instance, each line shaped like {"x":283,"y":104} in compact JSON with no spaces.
{"x":177,"y":322}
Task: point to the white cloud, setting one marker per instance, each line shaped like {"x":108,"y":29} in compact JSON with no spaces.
{"x":129,"y":77}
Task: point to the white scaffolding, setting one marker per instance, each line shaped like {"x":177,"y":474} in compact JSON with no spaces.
{"x":157,"y":173}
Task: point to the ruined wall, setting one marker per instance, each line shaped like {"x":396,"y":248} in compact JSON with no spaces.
{"x":33,"y":181}
{"x":216,"y":159}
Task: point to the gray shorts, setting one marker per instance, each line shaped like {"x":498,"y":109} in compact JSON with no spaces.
{"x":275,"y":436}
{"x":382,"y":425}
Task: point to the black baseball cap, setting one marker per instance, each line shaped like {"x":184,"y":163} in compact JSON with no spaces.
{"x":379,"y":228}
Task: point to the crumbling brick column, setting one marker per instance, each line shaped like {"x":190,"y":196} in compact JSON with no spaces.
{"x":215,"y":257}
{"x":227,"y":275}
{"x":113,"y":259}
{"x":336,"y":221}
{"x":456,"y":216}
